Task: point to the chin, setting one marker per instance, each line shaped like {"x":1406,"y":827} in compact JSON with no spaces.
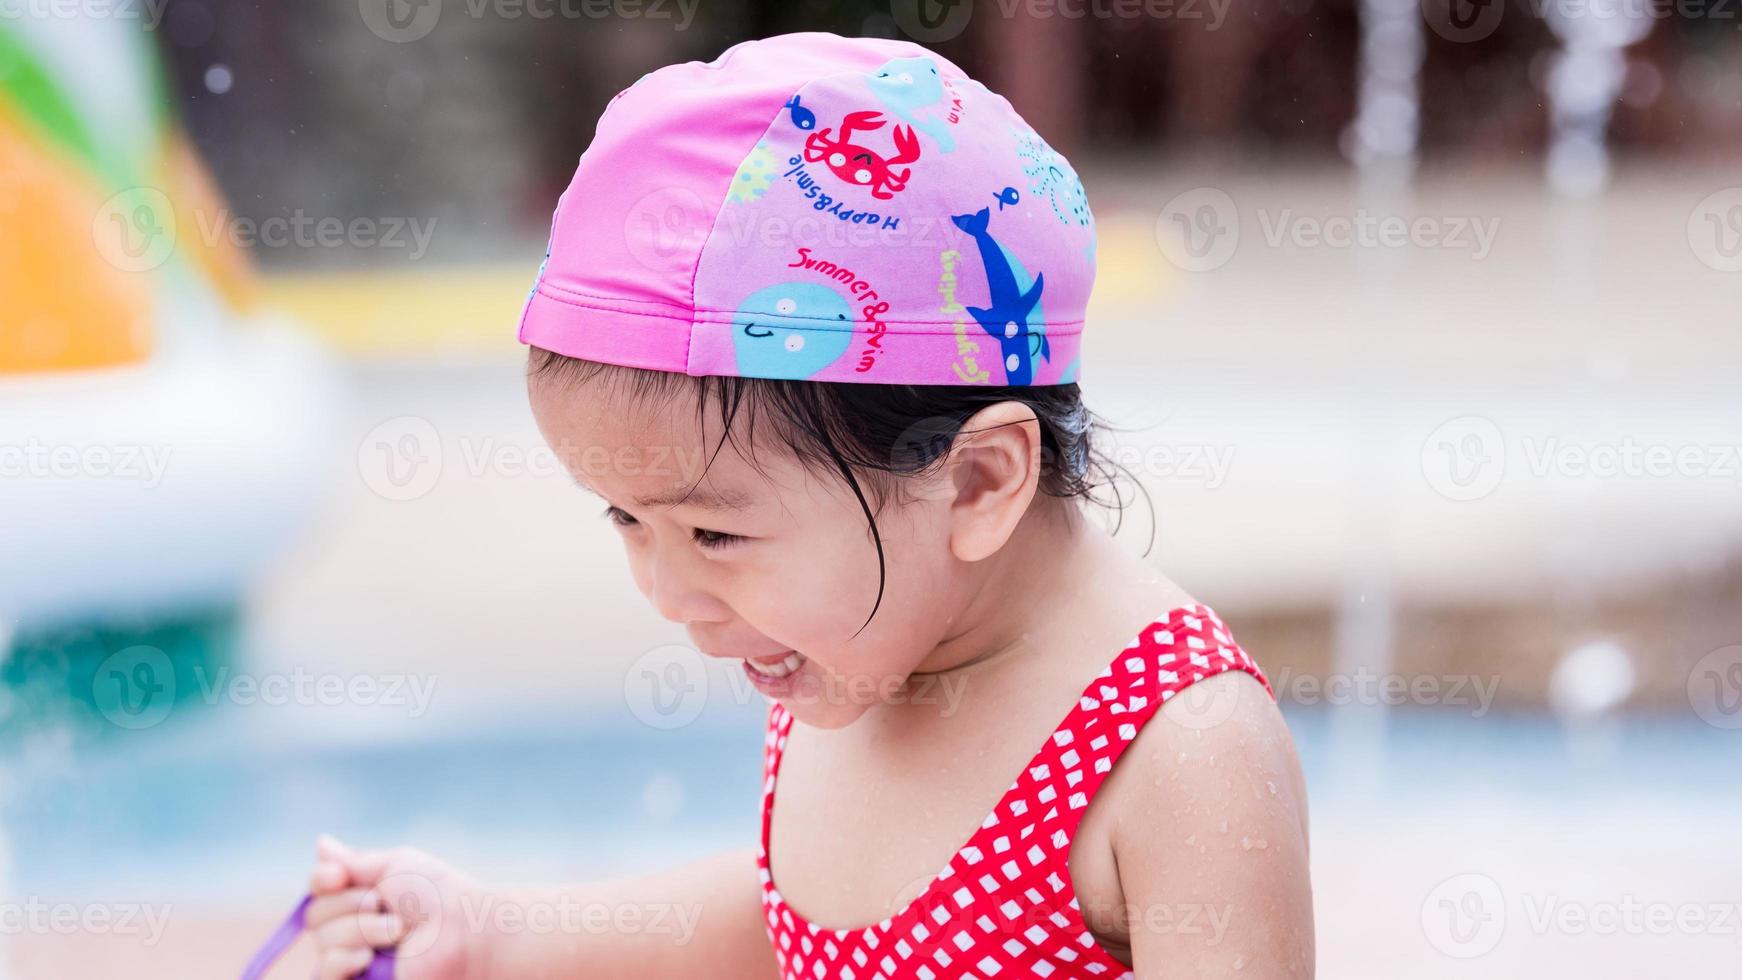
{"x":818,"y":707}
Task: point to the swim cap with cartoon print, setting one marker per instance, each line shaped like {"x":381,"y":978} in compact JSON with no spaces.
{"x":823,"y":208}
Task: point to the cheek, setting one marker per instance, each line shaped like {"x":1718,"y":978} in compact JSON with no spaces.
{"x":826,"y":588}
{"x":813,"y":594}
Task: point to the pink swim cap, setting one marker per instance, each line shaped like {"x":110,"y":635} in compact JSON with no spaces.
{"x":817,"y":207}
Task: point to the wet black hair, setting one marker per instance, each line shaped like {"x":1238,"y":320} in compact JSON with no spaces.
{"x":871,"y":432}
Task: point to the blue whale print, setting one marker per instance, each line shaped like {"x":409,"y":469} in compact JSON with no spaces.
{"x":909,"y":86}
{"x":771,"y":341}
{"x":1014,"y":302}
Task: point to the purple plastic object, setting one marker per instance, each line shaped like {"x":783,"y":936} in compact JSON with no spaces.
{"x":380,"y":969}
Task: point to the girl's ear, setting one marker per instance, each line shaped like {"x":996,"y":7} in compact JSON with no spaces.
{"x":994,"y":470}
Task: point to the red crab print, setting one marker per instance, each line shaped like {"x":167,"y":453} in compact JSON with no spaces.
{"x":861,"y":165}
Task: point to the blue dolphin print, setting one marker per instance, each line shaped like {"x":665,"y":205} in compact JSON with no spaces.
{"x":908,"y":87}
{"x":1007,"y":318}
{"x":791,"y":330}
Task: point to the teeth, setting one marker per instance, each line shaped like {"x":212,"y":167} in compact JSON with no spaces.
{"x":781,"y":668}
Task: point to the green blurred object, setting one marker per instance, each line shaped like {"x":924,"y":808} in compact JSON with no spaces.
{"x":122,"y":674}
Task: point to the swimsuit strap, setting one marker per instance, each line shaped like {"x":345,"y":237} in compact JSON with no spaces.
{"x":381,"y":968}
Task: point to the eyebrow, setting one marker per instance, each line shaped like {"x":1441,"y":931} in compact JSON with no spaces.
{"x":700,"y":497}
{"x":704,"y":498}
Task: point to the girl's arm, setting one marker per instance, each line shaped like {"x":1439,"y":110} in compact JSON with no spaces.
{"x":1209,"y":833}
{"x":701,"y":919}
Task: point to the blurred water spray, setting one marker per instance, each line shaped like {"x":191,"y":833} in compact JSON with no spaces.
{"x":1584,"y":83}
{"x":1387,"y":126}
{"x":1588,"y":684}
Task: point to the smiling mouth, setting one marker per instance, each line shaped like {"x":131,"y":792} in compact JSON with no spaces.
{"x":777,"y":666}
{"x":751,"y":328}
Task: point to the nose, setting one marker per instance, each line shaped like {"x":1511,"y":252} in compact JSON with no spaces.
{"x":673,"y":587}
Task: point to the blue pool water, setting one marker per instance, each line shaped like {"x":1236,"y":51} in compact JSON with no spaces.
{"x":204,"y":811}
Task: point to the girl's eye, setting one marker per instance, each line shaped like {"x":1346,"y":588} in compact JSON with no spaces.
{"x":716,"y":539}
{"x":703,"y":537}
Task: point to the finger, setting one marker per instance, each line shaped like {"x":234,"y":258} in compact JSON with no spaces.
{"x":343,"y":964}
{"x":368,"y":931}
{"x":328,"y":847}
{"x":328,"y":877}
{"x":369,"y":867}
{"x":351,"y":901}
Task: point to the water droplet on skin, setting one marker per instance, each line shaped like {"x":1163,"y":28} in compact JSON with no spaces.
{"x":1239,"y":963}
{"x":1224,"y":826}
{"x":1193,"y":839}
{"x":1272,"y":787}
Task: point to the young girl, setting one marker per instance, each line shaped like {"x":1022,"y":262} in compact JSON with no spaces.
{"x":848,"y":282}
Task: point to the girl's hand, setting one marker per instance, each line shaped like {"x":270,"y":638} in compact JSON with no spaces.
{"x":369,"y":900}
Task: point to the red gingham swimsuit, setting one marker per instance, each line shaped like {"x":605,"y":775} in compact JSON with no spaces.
{"x":1003,"y":906}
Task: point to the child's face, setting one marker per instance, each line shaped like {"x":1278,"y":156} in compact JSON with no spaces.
{"x":762,"y":561}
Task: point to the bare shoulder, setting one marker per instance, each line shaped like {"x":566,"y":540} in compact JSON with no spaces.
{"x":1206,"y":818}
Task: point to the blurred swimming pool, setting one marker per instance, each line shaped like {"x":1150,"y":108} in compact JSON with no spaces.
{"x":209,"y":808}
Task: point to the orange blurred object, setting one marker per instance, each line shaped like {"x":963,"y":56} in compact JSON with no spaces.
{"x":69,"y":307}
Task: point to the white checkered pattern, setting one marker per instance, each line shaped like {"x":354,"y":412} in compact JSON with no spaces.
{"x":1003,"y":907}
